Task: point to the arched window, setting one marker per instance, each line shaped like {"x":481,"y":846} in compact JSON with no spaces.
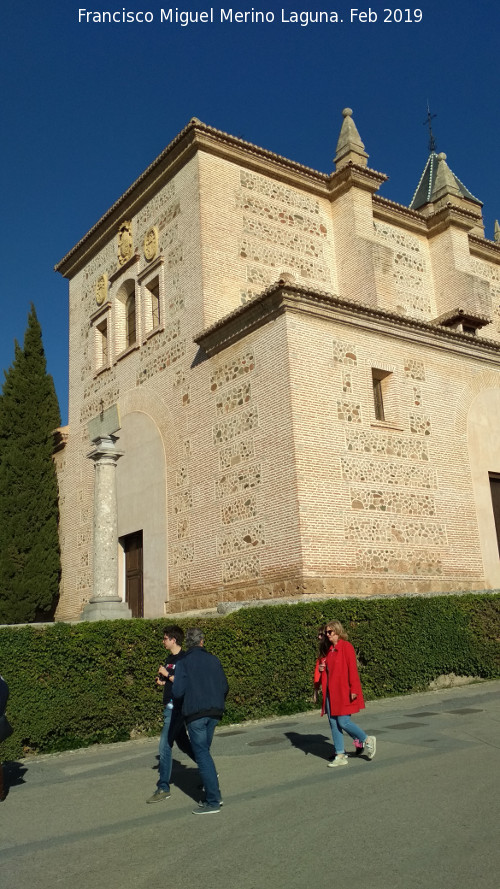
{"x":126,"y":330}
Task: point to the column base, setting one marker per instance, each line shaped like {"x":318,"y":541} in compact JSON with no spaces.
{"x":106,"y":610}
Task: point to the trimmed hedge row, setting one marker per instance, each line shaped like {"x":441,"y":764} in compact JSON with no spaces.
{"x":75,"y":685}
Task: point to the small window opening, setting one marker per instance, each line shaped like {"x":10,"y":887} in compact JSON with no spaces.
{"x":154,"y":295}
{"x":130,"y":320}
{"x":379,"y":383}
{"x":102,"y":343}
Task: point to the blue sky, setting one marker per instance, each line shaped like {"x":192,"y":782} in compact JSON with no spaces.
{"x":86,"y":107}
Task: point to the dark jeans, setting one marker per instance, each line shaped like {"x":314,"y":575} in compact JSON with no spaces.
{"x":173,"y":730}
{"x":201,"y":732}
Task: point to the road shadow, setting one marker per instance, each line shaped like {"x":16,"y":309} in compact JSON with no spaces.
{"x":186,"y":777}
{"x":13,"y":775}
{"x":316,"y":745}
{"x":319,"y":745}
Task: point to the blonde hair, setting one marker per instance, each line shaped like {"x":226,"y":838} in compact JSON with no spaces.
{"x":337,"y":628}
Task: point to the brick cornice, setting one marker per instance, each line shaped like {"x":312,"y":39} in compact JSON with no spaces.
{"x":353,"y":175}
{"x":195,"y":136}
{"x":484,"y":249}
{"x":281,"y":298}
{"x":451,"y":215}
{"x":398,"y":215}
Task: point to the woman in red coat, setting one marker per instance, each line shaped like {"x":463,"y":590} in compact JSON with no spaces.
{"x":342,"y":694}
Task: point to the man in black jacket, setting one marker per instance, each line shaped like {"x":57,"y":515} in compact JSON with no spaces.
{"x":173,"y":721}
{"x":201,"y":683}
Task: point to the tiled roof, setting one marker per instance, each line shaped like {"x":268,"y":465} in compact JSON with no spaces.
{"x":425,"y":189}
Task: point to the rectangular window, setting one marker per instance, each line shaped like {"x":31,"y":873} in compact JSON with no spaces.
{"x":131,"y":331}
{"x":380,"y":380}
{"x":151,"y":291}
{"x":102,"y":344}
{"x":495,"y":500}
{"x":153,"y":288}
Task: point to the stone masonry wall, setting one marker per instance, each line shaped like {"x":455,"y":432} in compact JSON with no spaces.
{"x":279,"y":478}
{"x":385,"y":506}
{"x":158,"y":365}
{"x":256,"y":229}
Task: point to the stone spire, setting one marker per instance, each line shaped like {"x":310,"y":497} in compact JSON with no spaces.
{"x":445,"y":183}
{"x":497,"y":232}
{"x":350,"y":148}
{"x":438,"y":185}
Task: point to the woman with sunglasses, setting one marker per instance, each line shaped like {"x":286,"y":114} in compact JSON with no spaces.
{"x":342,"y":694}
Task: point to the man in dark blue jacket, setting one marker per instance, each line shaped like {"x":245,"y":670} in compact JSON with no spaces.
{"x":201,"y":683}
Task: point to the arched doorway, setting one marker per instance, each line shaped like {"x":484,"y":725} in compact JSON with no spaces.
{"x":142,"y":516}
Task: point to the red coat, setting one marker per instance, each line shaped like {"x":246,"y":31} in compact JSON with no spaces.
{"x":340,"y":680}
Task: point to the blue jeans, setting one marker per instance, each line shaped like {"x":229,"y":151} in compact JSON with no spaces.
{"x":173,"y":730}
{"x":341,"y":724}
{"x":201,"y":732}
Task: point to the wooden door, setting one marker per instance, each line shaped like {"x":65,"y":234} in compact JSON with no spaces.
{"x":495,"y":498}
{"x":134,"y":592}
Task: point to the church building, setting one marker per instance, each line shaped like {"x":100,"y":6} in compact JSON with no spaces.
{"x":281,"y":384}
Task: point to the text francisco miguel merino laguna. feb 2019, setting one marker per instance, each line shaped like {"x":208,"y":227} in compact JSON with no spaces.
{"x":228,"y":16}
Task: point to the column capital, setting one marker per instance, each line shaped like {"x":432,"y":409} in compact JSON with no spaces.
{"x":104,"y":450}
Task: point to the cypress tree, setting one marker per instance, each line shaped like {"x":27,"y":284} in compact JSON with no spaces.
{"x":29,"y":545}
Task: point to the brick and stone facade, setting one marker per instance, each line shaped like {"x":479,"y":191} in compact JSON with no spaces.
{"x":269,"y":302}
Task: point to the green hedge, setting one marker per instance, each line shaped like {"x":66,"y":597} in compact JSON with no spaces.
{"x":75,"y":685}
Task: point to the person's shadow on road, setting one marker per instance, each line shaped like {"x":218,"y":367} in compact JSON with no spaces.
{"x":13,"y":775}
{"x":186,"y":777}
{"x":316,"y":745}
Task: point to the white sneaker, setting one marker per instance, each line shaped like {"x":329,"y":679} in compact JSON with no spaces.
{"x":340,"y":760}
{"x":371,"y":746}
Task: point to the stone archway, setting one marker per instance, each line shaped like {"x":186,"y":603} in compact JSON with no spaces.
{"x":142,"y":506}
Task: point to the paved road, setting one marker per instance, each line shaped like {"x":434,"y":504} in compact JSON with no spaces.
{"x":423,"y":814}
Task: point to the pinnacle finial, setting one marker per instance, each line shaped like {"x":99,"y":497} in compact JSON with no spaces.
{"x":350,"y":148}
{"x":497,"y":232}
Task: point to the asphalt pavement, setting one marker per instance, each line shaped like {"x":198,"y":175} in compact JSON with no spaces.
{"x":424,"y":813}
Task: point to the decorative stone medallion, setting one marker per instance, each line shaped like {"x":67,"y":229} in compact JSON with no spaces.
{"x":150,"y":245}
{"x":101,"y":289}
{"x":125,"y":243}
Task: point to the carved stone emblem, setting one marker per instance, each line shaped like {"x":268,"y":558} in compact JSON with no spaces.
{"x":151,"y":243}
{"x":101,"y":289}
{"x":125,"y":242}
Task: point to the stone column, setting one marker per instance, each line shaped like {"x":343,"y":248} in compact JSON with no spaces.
{"x":105,"y":603}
